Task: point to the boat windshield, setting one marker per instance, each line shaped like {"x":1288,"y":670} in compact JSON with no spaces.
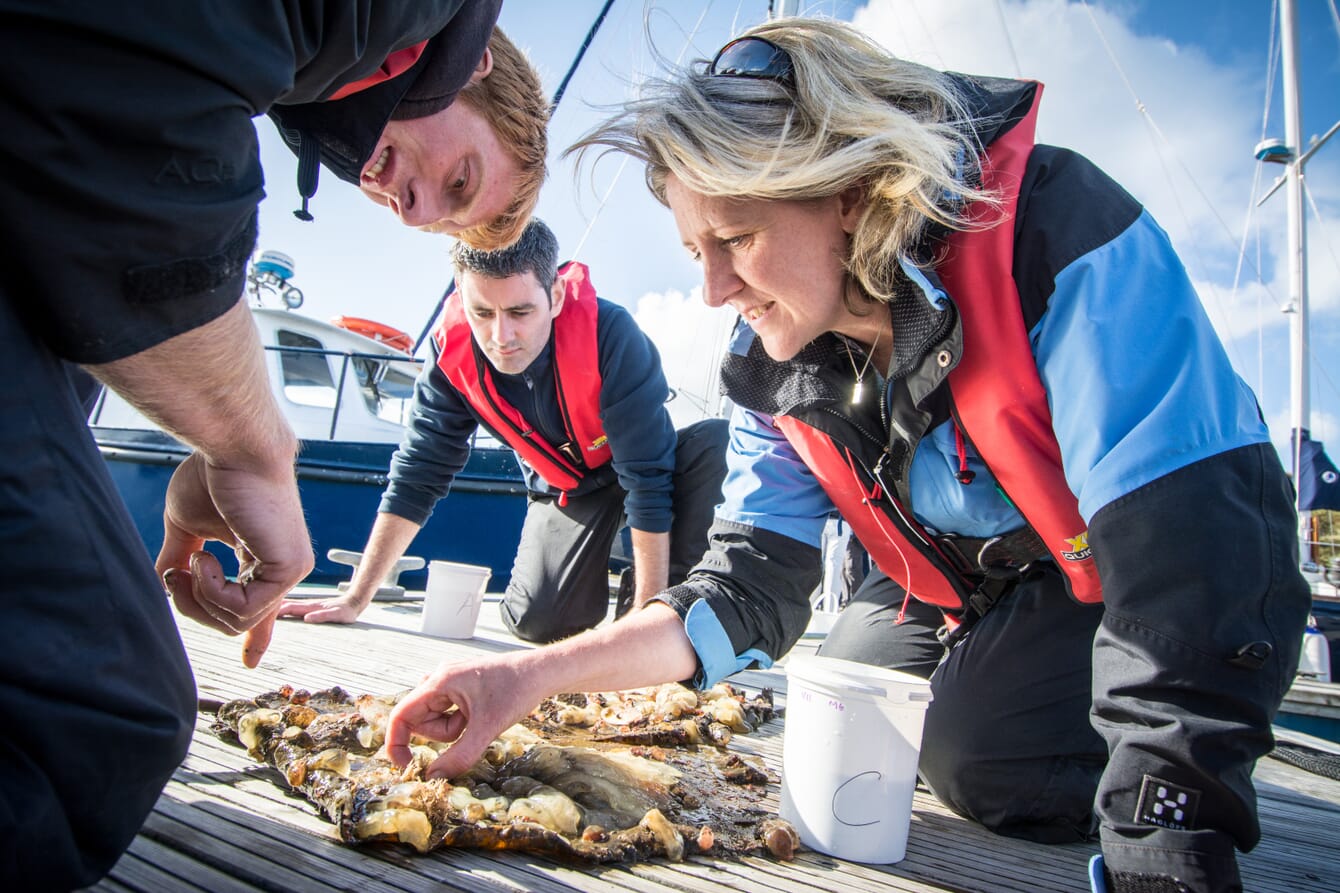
{"x":386,"y":391}
{"x":307,"y":380}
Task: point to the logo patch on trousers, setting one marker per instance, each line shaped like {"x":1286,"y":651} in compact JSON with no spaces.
{"x":1167,"y":805}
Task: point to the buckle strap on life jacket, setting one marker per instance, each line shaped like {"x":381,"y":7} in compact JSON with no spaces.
{"x":1000,"y":563}
{"x":997,"y":583}
{"x":972,"y":556}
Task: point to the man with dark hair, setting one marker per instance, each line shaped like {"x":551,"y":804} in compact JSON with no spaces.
{"x":567,"y":379}
{"x":128,"y":215}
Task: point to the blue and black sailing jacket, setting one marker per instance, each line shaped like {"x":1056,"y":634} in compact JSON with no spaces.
{"x":1130,"y":383}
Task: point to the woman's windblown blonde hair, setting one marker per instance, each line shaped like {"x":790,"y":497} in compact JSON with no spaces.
{"x":856,"y":116}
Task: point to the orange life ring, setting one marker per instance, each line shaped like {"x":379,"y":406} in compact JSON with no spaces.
{"x":377,"y":332}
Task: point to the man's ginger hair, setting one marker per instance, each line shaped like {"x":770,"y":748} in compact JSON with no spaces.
{"x":512,"y":100}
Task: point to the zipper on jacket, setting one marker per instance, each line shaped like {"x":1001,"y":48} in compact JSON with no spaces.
{"x":526,"y":435}
{"x":570,"y":448}
{"x":906,"y":526}
{"x":909,"y":528}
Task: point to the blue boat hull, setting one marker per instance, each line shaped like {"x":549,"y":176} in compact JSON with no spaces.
{"x":341,"y":485}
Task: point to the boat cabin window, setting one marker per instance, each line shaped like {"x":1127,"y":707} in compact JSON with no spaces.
{"x":388,"y":392}
{"x":307,"y":378}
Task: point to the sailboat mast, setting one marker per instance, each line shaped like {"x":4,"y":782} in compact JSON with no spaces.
{"x":1297,"y":308}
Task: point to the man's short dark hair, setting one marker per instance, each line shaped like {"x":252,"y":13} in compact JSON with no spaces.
{"x":535,"y":251}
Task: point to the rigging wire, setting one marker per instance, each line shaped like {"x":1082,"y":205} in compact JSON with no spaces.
{"x":699,"y":402}
{"x":739,"y":8}
{"x":1272,"y":66}
{"x":930,"y":36}
{"x":1273,"y":54}
{"x":1251,"y":221}
{"x":572,"y":69}
{"x":604,"y":199}
{"x":1321,"y":224}
{"x":1249,"y":224}
{"x":1260,"y":321}
{"x":1162,"y":139}
{"x":1316,"y":212}
{"x":1009,"y":43}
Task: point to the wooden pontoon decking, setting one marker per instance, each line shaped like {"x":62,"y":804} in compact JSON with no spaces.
{"x":223,"y":825}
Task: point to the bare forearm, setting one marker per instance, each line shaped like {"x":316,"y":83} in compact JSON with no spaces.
{"x":651,"y":564}
{"x":647,"y":648}
{"x":390,"y":537}
{"x":209,"y":388}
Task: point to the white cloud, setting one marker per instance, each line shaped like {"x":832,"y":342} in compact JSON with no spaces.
{"x":1187,"y":157}
{"x":690,"y":337}
{"x":1088,"y":106}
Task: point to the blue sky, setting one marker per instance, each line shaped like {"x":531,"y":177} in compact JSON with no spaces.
{"x":1198,"y":68}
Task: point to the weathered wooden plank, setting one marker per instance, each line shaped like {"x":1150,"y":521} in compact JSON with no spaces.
{"x":134,"y":871}
{"x":189,"y":872}
{"x":109,"y":884}
{"x":219,"y":808}
{"x":266,"y":857}
{"x":795,"y":877}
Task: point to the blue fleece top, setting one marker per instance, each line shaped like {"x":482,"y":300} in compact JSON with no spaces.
{"x":633,"y":393}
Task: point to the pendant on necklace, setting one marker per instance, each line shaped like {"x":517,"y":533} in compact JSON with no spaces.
{"x":856,"y":390}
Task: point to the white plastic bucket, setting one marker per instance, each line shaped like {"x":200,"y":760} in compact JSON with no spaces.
{"x":849,"y":756}
{"x":1315,"y":660}
{"x":451,"y":602}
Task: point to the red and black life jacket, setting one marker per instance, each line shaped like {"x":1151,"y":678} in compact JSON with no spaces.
{"x":576,"y":362}
{"x":999,"y":403}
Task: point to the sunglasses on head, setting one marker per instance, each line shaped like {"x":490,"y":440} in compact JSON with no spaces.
{"x":753,"y":57}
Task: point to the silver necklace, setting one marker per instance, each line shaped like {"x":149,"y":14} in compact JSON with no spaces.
{"x":858,"y":388}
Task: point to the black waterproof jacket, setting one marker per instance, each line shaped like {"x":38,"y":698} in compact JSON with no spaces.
{"x":134,"y":165}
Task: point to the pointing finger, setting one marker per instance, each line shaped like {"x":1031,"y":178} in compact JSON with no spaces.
{"x":257,"y":640}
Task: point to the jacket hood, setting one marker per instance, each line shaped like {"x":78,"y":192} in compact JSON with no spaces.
{"x":994,"y":104}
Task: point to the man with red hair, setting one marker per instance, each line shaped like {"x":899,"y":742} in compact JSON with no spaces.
{"x":128,"y":214}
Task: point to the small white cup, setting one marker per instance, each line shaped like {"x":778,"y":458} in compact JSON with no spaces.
{"x":451,"y":603}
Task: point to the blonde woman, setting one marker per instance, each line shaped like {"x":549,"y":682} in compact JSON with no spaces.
{"x":986,"y":357}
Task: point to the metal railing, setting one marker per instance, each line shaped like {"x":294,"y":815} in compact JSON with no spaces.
{"x":95,"y":416}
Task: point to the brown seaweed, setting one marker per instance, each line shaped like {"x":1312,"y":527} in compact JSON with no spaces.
{"x":620,"y":789}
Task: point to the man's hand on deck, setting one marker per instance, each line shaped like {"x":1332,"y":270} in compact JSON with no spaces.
{"x":390,"y":537}
{"x":468,"y":703}
{"x":342,"y":609}
{"x":258,"y":513}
